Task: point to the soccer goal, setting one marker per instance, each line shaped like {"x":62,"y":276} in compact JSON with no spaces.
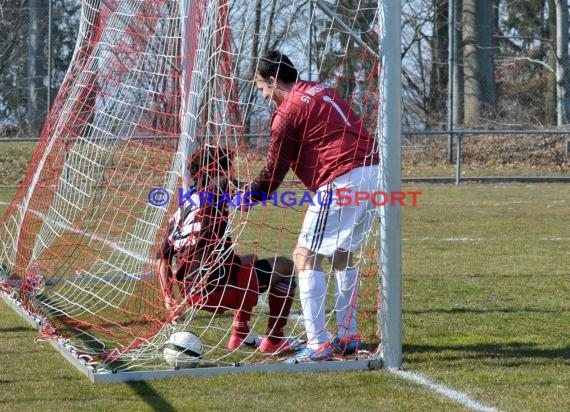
{"x":149,"y":83}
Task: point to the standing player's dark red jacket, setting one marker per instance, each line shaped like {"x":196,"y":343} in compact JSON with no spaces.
{"x":318,"y":136}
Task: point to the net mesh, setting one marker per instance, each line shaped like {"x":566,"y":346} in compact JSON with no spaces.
{"x":149,"y":84}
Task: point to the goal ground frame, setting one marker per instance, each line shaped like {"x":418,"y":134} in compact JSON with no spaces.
{"x":106,"y":375}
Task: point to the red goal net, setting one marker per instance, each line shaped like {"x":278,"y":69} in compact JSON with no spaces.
{"x":149,"y":84}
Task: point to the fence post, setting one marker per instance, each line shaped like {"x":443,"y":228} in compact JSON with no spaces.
{"x":459,"y":135}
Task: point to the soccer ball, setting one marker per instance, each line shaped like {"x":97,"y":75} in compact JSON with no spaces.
{"x":183,"y":350}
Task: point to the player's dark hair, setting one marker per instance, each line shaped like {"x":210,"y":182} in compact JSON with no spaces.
{"x":278,"y":65}
{"x":210,"y":167}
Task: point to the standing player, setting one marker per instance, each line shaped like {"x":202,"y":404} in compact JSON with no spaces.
{"x":208,"y":273}
{"x":316,"y":134}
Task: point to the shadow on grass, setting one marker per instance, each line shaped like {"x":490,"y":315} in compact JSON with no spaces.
{"x":15,"y":329}
{"x":476,"y":310}
{"x":153,"y":399}
{"x":513,"y":350}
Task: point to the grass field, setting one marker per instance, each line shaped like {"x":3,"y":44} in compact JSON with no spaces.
{"x":486,"y":280}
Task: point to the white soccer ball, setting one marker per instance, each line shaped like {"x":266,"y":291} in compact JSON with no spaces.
{"x":183,"y":350}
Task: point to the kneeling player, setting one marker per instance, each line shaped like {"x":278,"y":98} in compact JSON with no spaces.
{"x":208,"y":273}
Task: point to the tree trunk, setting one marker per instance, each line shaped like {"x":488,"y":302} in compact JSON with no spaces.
{"x":37,"y":93}
{"x":457,"y":69}
{"x":550,"y":52}
{"x":563,"y":97}
{"x":436,"y":100}
{"x":255,"y":54}
{"x":480,"y":88}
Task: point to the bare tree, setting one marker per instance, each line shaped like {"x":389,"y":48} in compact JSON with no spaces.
{"x":12,"y":65}
{"x":436,"y":100}
{"x":480,"y":88}
{"x":562,"y":94}
{"x":549,"y":47}
{"x":24,"y":60}
{"x":37,"y":67}
{"x":457,"y":69}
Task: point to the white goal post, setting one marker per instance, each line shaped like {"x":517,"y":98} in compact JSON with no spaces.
{"x":391,"y":218}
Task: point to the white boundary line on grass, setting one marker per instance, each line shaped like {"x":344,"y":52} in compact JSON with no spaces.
{"x":480,"y":239}
{"x":459,"y":397}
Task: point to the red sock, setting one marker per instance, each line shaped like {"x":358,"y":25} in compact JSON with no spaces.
{"x":245,"y":296}
{"x":280,"y":301}
{"x":241,"y":322}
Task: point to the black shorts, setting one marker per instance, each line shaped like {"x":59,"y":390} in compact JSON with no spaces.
{"x":263,"y":271}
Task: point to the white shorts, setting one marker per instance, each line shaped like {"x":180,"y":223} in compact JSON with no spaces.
{"x":339,"y":218}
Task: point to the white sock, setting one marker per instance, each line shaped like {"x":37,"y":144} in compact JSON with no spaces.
{"x":346,"y":283}
{"x":312,"y":291}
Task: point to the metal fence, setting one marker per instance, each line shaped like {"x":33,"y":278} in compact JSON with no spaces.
{"x":485,"y":155}
{"x":459,"y":156}
{"x":37,"y":39}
